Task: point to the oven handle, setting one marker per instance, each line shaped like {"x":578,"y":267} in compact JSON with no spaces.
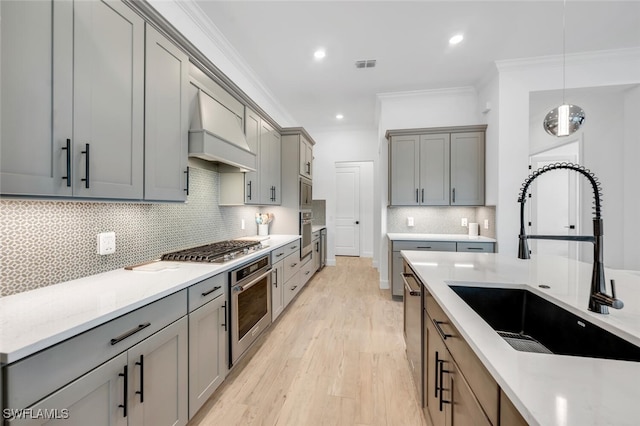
{"x":241,"y":288}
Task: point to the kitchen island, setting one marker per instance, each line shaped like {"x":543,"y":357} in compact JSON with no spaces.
{"x":546,"y":389}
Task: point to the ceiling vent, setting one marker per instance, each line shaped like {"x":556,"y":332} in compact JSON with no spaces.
{"x":368,"y":63}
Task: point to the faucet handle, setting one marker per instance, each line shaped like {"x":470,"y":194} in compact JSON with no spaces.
{"x":613,"y":288}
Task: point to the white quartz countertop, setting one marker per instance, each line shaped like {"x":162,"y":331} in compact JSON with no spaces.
{"x":316,"y":228}
{"x":36,"y":319}
{"x":460,"y":238}
{"x":547,"y":389}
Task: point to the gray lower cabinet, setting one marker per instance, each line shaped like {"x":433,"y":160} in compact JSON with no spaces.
{"x":158,"y":375}
{"x":72,"y":99}
{"x":166,"y":119}
{"x":93,"y":399}
{"x":208,"y":351}
{"x":277,"y":290}
{"x":395,"y":263}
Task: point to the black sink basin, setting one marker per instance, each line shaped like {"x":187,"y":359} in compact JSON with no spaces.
{"x":530,"y":323}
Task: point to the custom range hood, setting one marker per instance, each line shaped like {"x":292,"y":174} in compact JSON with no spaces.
{"x":216,"y":135}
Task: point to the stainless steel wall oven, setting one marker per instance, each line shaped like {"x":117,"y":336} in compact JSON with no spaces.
{"x":250,"y":304}
{"x":305,"y":231}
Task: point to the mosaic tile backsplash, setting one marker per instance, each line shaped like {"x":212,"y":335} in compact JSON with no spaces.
{"x":440,"y":220}
{"x":47,"y":242}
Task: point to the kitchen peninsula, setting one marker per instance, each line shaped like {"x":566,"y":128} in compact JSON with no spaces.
{"x":546,"y":389}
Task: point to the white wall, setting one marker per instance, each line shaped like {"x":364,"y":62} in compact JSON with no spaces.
{"x":517,"y":79}
{"x":631,"y":187}
{"x":450,"y":107}
{"x":345,"y":146}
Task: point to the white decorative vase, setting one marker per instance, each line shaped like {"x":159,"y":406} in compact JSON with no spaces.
{"x":263,"y":229}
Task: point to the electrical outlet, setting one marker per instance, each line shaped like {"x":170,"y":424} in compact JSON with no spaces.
{"x":410,"y":221}
{"x":486,"y":224}
{"x":241,"y":223}
{"x":106,"y":243}
{"x":463,"y":222}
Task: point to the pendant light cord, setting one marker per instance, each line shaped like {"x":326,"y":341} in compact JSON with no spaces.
{"x":564,"y":49}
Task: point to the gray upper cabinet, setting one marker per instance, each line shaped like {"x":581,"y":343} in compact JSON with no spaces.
{"x":467,"y":169}
{"x":306,"y":158}
{"x":36,"y":97}
{"x":263,"y":187}
{"x":108,"y":100}
{"x":72,"y":99}
{"x":166,"y":119}
{"x":437,"y":167}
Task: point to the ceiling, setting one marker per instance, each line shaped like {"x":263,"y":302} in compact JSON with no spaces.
{"x":409,"y":41}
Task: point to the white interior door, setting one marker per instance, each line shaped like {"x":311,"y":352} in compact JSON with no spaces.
{"x":347,"y":237}
{"x":554,"y":203}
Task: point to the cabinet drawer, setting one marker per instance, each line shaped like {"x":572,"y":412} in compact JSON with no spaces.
{"x":484,"y":386}
{"x":30,"y":379}
{"x":277,"y":254}
{"x":207,"y":290}
{"x":291,"y":288}
{"x":476,"y":247}
{"x":291,"y":265}
{"x":292,"y":248}
{"x":315,"y":235}
{"x":306,"y":271}
{"x":424,"y":245}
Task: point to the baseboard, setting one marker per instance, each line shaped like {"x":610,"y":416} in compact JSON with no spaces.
{"x":367,"y":254}
{"x":331,"y":262}
{"x":384,"y":284}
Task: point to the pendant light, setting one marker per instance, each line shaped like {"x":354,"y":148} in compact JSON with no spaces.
{"x":565,"y":119}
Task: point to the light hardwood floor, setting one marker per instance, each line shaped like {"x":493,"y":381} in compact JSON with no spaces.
{"x":335,"y":357}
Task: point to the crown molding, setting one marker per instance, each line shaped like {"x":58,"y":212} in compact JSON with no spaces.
{"x":427,"y":92}
{"x":574,"y":58}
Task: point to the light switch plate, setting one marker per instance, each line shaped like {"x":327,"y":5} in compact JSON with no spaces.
{"x":463,"y":222}
{"x":106,"y":243}
{"x":486,"y":224}
{"x":410,"y":221}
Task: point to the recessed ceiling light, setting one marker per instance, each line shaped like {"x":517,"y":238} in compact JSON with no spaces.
{"x":456,"y":39}
{"x":339,"y":116}
{"x":319,"y":54}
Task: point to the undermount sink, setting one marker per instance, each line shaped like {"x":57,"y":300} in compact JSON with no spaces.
{"x":532,"y":324}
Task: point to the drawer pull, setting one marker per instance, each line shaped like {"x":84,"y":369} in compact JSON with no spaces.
{"x":125,"y":396}
{"x":279,"y":254}
{"x":424,"y":247}
{"x":129,"y":333}
{"x":206,"y":293}
{"x":474,"y":248}
{"x":307,"y":273}
{"x":224,"y":306}
{"x":440,"y":331}
{"x":435,"y":375}
{"x":294,"y":264}
{"x":294,"y":287}
{"x":141,"y":391}
{"x":293,"y":247}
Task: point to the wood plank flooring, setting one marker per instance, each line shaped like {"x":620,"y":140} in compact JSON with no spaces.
{"x":335,"y":357}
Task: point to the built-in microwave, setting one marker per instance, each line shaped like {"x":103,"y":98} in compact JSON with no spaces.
{"x":305,"y":194}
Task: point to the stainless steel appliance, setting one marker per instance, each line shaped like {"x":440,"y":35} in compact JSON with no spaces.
{"x":323,"y":248}
{"x":250,"y":304}
{"x":305,"y":231}
{"x":218,"y":252}
{"x":306,"y":202}
{"x":413,"y":327}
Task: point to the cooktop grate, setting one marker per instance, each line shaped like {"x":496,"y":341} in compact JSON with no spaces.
{"x":218,"y":252}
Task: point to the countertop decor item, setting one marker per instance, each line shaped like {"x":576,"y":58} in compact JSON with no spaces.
{"x":263,"y":220}
{"x":565,"y":119}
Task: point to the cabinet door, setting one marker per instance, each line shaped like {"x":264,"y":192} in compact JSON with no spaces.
{"x":277,"y":292}
{"x":166,"y":119}
{"x":108,"y":100}
{"x":270,"y":175}
{"x":467,"y":169}
{"x":315,"y":254}
{"x":404,"y":170}
{"x":208,"y":351}
{"x":397,"y":284}
{"x":253,"y":126}
{"x":158,"y":368}
{"x":434,"y":170}
{"x":306,"y":158}
{"x":438,"y":362}
{"x":97,"y":398}
{"x":464,"y":407}
{"x":36,"y":97}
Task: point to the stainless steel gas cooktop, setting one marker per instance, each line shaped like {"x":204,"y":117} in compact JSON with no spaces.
{"x":219,"y":252}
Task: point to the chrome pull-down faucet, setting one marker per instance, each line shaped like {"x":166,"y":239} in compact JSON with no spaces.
{"x":599,"y":301}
